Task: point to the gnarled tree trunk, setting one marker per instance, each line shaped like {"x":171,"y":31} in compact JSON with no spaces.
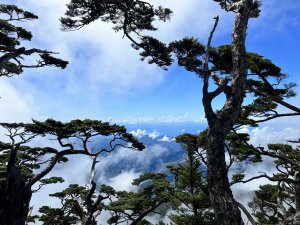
{"x":226,"y":210}
{"x":14,"y":198}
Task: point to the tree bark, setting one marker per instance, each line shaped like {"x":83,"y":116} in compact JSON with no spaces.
{"x":297,"y":192}
{"x":226,"y":210}
{"x":225,"y":207}
{"x":15,"y":198}
{"x":15,"y":194}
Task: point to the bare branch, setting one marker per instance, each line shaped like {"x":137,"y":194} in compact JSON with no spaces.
{"x":207,"y":99}
{"x":245,"y":211}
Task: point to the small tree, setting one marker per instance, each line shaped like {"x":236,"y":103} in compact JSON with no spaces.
{"x":132,"y":207}
{"x":191,"y":191}
{"x":79,"y":204}
{"x":267,"y":204}
{"x":85,"y":204}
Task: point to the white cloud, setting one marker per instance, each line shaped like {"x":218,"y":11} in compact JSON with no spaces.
{"x":100,"y":59}
{"x":140,"y":159}
{"x":15,"y":106}
{"x":122,"y":182}
{"x":261,"y":136}
{"x":167,"y":139}
{"x":139,"y":133}
{"x":155,"y":134}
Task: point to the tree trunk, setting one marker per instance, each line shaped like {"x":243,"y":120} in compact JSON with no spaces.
{"x":14,"y":199}
{"x":227,"y":212}
{"x":297,"y":191}
{"x":225,"y":207}
{"x":15,"y":194}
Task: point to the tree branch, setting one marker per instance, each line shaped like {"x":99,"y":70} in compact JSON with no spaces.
{"x":245,"y":211}
{"x":278,"y":99}
{"x":207,"y":98}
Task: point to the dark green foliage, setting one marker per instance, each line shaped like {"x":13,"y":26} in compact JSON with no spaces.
{"x":191,"y":197}
{"x":262,"y":91}
{"x":47,"y":59}
{"x":266,"y":206}
{"x":12,"y":54}
{"x":28,"y":159}
{"x":238,"y":177}
{"x":80,"y":203}
{"x":87,"y":129}
{"x":130,"y":16}
{"x":155,"y":190}
{"x":77,"y":204}
{"x":157,"y":52}
{"x":275,"y":202}
{"x":52,"y":180}
{"x":188,"y":51}
{"x":55,"y":216}
{"x":240,"y":149}
{"x":221,"y":58}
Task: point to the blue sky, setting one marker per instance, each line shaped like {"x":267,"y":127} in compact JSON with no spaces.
{"x":106,"y":80}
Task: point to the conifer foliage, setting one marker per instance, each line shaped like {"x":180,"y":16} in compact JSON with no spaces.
{"x":13,"y":56}
{"x":192,"y":204}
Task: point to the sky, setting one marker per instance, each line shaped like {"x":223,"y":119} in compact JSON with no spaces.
{"x":105,"y":78}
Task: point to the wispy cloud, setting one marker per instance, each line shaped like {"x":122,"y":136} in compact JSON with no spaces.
{"x":165,"y":119}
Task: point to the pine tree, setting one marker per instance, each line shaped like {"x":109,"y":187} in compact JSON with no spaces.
{"x":22,"y":166}
{"x":131,"y":17}
{"x":191,"y":190}
{"x":133,"y":207}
